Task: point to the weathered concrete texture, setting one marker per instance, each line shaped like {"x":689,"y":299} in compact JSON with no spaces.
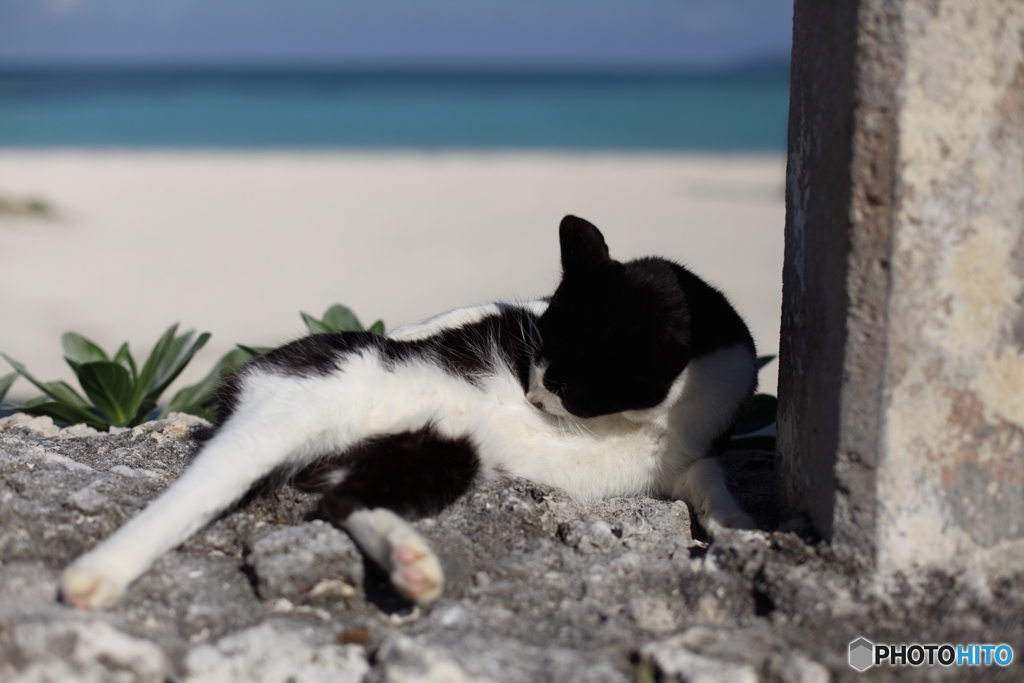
{"x":952,"y":480}
{"x":904,"y":442}
{"x":539,"y":588}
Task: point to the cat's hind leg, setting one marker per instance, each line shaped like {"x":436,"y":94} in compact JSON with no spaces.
{"x":273,"y":422}
{"x":390,"y":480}
{"x":221,"y":474}
{"x":394,"y":545}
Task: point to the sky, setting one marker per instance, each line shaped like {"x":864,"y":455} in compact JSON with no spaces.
{"x":662,"y":33}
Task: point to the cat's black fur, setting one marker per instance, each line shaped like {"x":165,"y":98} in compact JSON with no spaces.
{"x":617,"y":335}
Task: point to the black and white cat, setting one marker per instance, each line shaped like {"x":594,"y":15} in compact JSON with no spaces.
{"x":624,"y":383}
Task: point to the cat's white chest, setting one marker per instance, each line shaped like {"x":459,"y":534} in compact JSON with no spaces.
{"x":589,"y":459}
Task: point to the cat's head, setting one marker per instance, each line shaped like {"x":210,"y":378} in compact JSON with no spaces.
{"x":615,"y":335}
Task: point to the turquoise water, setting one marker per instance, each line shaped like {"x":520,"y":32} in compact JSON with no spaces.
{"x":740,"y":110}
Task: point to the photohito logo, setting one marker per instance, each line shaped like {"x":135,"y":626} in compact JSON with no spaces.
{"x":865,"y":654}
{"x":862,"y":654}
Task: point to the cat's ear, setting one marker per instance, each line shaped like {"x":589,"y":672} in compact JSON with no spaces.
{"x":582,"y":244}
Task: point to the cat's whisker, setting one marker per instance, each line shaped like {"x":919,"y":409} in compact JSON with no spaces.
{"x":563,"y":426}
{"x":573,"y":426}
{"x":584,"y":428}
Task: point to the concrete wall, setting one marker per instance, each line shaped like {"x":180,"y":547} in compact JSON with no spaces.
{"x":902,"y":352}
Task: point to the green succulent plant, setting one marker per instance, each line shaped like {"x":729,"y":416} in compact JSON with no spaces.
{"x":117,"y":391}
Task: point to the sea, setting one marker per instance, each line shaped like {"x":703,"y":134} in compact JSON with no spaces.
{"x":726,"y":110}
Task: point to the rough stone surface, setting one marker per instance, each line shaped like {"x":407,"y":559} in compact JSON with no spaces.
{"x":268,"y":653}
{"x":901,"y":429}
{"x":87,"y":650}
{"x":539,"y":588}
{"x":309,"y":563}
{"x":403,"y":660}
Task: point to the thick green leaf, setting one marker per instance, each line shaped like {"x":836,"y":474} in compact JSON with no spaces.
{"x":23,"y":371}
{"x":168,"y":358}
{"x":111,"y":388}
{"x":147,"y":411}
{"x":78,"y":350}
{"x":183,"y":353}
{"x":123,"y":357}
{"x":757,"y":414}
{"x":66,"y":414}
{"x":38,"y":400}
{"x":147,"y":376}
{"x":192,"y":398}
{"x":315,"y":326}
{"x":59,"y":391}
{"x":196,"y":399}
{"x":186,"y":357}
{"x":764,"y":360}
{"x":65,"y":393}
{"x":377,"y":327}
{"x":5,"y":383}
{"x":172,"y":353}
{"x":341,"y":319}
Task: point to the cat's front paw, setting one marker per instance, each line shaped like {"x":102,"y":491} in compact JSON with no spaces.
{"x":413,"y":567}
{"x":728,"y":519}
{"x":89,"y":587}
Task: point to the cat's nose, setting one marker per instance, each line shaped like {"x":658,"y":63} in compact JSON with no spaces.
{"x":534,"y":397}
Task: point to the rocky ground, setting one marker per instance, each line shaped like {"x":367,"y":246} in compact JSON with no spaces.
{"x":539,"y":588}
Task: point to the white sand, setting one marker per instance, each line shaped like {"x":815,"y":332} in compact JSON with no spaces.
{"x":237,"y":243}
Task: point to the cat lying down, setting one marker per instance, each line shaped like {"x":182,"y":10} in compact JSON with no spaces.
{"x":625,"y":382}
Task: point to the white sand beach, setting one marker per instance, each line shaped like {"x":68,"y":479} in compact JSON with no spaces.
{"x":236,"y":243}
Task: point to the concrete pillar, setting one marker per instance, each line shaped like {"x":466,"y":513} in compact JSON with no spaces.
{"x":901,"y":417}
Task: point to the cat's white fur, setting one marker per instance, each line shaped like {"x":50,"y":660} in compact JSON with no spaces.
{"x":286,"y":420}
{"x":467,"y":315}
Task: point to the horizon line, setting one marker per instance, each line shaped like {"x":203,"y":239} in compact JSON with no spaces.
{"x":476,"y":67}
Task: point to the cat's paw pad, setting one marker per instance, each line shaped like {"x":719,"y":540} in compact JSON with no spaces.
{"x":88,"y":587}
{"x":414,"y":569}
{"x":728,"y":519}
